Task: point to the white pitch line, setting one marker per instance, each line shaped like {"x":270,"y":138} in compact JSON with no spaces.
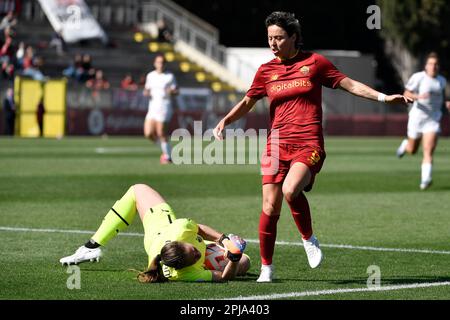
{"x":63,"y":231}
{"x":282,"y":243}
{"x":345,"y":246}
{"x":103,"y":150}
{"x":341,"y":291}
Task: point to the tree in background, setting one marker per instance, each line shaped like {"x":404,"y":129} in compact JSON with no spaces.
{"x":413,"y":28}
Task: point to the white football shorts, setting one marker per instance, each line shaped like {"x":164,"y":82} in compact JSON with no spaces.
{"x":161,"y":112}
{"x":417,"y":126}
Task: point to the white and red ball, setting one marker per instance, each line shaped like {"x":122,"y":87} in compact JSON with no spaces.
{"x":215,"y":257}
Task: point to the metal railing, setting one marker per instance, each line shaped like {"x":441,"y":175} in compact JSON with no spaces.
{"x":186,"y":26}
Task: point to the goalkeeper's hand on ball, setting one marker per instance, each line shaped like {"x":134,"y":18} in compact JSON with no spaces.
{"x":234,"y":246}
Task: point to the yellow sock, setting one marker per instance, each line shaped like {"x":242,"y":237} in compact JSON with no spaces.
{"x":117,"y":219}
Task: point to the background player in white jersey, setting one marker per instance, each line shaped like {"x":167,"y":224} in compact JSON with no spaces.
{"x":427,"y":89}
{"x":160,"y":85}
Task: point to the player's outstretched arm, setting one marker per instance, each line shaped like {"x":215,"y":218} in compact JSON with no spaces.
{"x":361,"y":90}
{"x":239,"y":110}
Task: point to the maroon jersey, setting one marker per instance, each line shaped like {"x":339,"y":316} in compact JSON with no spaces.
{"x":294,"y":89}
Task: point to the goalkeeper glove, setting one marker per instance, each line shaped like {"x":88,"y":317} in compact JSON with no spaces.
{"x":234,"y":246}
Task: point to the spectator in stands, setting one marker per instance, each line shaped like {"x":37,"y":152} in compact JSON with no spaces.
{"x":34,"y":70}
{"x":8,"y":32}
{"x":87,"y":72}
{"x":27,"y":60}
{"x":7,"y":55}
{"x":8,"y":21}
{"x":99,"y":83}
{"x":8,"y":71}
{"x":128,"y":83}
{"x":142,"y":79}
{"x":164,"y":33}
{"x":20,"y":54}
{"x":9,"y":110}
{"x":7,"y":50}
{"x":75,"y":69}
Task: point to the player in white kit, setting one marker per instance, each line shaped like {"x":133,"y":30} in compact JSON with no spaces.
{"x":427,"y":89}
{"x":160,"y":85}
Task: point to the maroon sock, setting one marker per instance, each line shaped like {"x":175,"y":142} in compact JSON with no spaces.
{"x":302,"y":215}
{"x":267,"y":237}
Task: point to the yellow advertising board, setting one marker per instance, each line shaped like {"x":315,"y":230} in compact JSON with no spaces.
{"x":52,"y":94}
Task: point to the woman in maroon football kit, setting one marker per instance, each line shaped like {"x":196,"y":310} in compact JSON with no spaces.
{"x":295,"y":147}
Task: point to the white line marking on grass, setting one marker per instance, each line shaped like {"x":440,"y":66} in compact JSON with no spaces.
{"x":282,"y":243}
{"x":340,"y":291}
{"x":344,"y":246}
{"x":103,"y":150}
{"x":130,"y":234}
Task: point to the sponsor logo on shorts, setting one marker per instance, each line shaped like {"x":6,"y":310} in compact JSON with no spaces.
{"x":315,"y":158}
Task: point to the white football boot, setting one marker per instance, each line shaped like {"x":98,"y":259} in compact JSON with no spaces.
{"x":83,"y":254}
{"x":402,"y":149}
{"x":266,"y":274}
{"x":424,"y":185}
{"x":313,"y":251}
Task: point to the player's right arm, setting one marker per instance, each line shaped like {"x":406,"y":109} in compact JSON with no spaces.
{"x":239,"y":110}
{"x":257,"y":91}
{"x":229,"y":273}
{"x":414,"y":96}
{"x":412,"y":87}
{"x":234,"y":249}
{"x":411,"y":95}
{"x":147,"y":92}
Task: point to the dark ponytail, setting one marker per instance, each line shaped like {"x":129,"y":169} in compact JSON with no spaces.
{"x":172,"y":255}
{"x":154,"y":273}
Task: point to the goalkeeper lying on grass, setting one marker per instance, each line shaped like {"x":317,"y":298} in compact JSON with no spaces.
{"x":175,"y":247}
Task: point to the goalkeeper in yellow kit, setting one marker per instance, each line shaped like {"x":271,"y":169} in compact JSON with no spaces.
{"x":175,"y":247}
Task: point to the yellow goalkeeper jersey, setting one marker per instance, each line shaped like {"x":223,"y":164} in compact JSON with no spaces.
{"x":183,"y":230}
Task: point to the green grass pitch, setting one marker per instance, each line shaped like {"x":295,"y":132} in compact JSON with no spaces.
{"x":364,"y":197}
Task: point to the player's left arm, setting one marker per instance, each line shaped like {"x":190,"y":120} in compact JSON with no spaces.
{"x":173,"y":87}
{"x":209,"y":233}
{"x":361,"y":90}
{"x":173,"y":90}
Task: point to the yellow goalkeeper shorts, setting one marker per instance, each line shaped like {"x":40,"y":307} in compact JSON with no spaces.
{"x":156,"y":218}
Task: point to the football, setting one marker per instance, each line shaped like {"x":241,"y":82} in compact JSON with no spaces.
{"x":214,"y":257}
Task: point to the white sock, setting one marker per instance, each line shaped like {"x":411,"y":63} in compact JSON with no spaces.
{"x":427,"y":169}
{"x":402,"y":148}
{"x":165,"y":147}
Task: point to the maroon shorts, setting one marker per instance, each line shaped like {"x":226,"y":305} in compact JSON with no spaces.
{"x":275,"y":165}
